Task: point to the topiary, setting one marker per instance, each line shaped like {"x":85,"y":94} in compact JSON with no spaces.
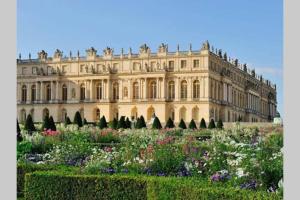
{"x":128,"y":123}
{"x":84,"y":122}
{"x":220,"y":124}
{"x":121,"y":123}
{"x":114,"y":123}
{"x":138,"y":123}
{"x":46,"y":123}
{"x":182,"y":124}
{"x":68,"y":121}
{"x":170,"y":123}
{"x":211,"y":124}
{"x":102,"y":123}
{"x":78,"y":119}
{"x":142,"y":122}
{"x":202,"y":123}
{"x":192,"y":125}
{"x":156,"y":124}
{"x":52,"y":124}
{"x":29,"y":126}
{"x":19,"y":136}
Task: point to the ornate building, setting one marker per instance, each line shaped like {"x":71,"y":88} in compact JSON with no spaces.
{"x":182,"y":84}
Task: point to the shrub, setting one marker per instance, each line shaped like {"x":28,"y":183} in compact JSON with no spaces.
{"x":202,"y":123}
{"x":182,"y":124}
{"x":102,"y":123}
{"x":128,"y":123}
{"x":192,"y":125}
{"x":220,"y":124}
{"x":211,"y":124}
{"x":77,"y":119}
{"x":46,"y":123}
{"x":156,"y":124}
{"x":52,"y":124}
{"x":67,"y":121}
{"x":29,"y":126}
{"x":19,"y":136}
{"x":114,"y":123}
{"x":137,"y":123}
{"x":84,"y":122}
{"x":121,"y":123}
{"x":23,"y":148}
{"x":170,"y":123}
{"x":142,"y":121}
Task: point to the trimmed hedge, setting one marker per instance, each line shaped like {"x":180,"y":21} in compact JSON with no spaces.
{"x":55,"y":185}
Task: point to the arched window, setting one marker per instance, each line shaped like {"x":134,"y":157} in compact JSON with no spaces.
{"x":196,"y":89}
{"x":182,"y":114}
{"x":64,"y":92}
{"x":153,"y":90}
{"x":195,"y":114}
{"x":183,"y":89}
{"x":135,"y":90}
{"x":33,"y":93}
{"x":63,"y":115}
{"x":82,"y":92}
{"x":115,"y":91}
{"x":172,"y":113}
{"x":171,"y":90}
{"x":99,"y":90}
{"x":48,"y":92}
{"x":23,"y":115}
{"x":134,"y":113}
{"x":97,"y":114}
{"x":150,"y":113}
{"x":125,"y":92}
{"x":24,"y":93}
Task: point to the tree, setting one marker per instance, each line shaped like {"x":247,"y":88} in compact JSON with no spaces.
{"x":84,"y":122}
{"x":211,"y":124}
{"x":202,"y":123}
{"x":142,"y":121}
{"x":170,"y":123}
{"x":220,"y":124}
{"x":29,"y":126}
{"x":78,"y":119}
{"x":128,"y":123}
{"x":182,"y":124}
{"x":156,"y":124}
{"x":102,"y":123}
{"x":19,"y":136}
{"x":192,"y":125}
{"x":114,"y":124}
{"x":46,"y":123}
{"x":68,"y":121}
{"x":52,"y":124}
{"x":122,"y":123}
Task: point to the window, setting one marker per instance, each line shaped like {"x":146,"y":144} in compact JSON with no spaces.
{"x":24,"y":93}
{"x":183,"y":64}
{"x":135,"y":90}
{"x":153,"y":90}
{"x":64,"y":92}
{"x":97,"y":114}
{"x":99,"y":90}
{"x":82,"y":92}
{"x":33,"y":93}
{"x":171,"y":90}
{"x":48,"y":92}
{"x":171,"y":66}
{"x":115,"y":91}
{"x":196,"y":63}
{"x":183,"y":89}
{"x":196,"y":89}
{"x":125,"y":92}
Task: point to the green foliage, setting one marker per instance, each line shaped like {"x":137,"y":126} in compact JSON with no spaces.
{"x":211,"y":124}
{"x":114,"y":124}
{"x":220,"y":124}
{"x":202,"y":123}
{"x":182,"y":124}
{"x":52,"y":124}
{"x":128,"y":123}
{"x":19,"y":136}
{"x":156,"y":124}
{"x":192,"y":125}
{"x":46,"y":123}
{"x":23,"y":148}
{"x":67,"y":121}
{"x":78,"y":119}
{"x":29,"y":126}
{"x":121,"y":123}
{"x":170,"y":123}
{"x":102,"y":123}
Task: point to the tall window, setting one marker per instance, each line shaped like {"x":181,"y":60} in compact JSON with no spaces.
{"x":82,"y":92}
{"x":183,"y":89}
{"x":64,"y":92}
{"x":153,"y":90}
{"x":33,"y":93}
{"x":171,"y":90}
{"x":24,"y":93}
{"x":195,"y":63}
{"x":135,"y":90}
{"x":196,"y":89}
{"x":97,"y":114}
{"x":115,"y":91}
{"x":171,"y":65}
{"x":48,"y":92}
{"x":183,"y":63}
{"x":99,"y":91}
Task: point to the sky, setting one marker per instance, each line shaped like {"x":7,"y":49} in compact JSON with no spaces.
{"x":250,"y":30}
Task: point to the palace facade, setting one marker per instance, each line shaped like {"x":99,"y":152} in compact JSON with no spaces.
{"x":180,"y":85}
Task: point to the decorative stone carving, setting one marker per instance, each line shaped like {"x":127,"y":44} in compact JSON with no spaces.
{"x":108,"y":51}
{"x":205,"y":46}
{"x":163,"y":48}
{"x":42,"y":55}
{"x":58,"y":53}
{"x":91,"y":52}
{"x":245,"y":67}
{"x":144,"y":49}
{"x":236,"y":62}
{"x":73,"y":93}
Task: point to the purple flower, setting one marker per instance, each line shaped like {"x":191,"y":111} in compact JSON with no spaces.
{"x":161,"y":174}
{"x":249,"y":185}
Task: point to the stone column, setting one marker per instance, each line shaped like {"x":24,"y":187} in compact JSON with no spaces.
{"x":52,"y":90}
{"x":102,"y":89}
{"x":28,"y":97}
{"x":177,"y":89}
{"x":157,"y":88}
{"x":130,"y":96}
{"x":145,"y":89}
{"x":37,"y":91}
{"x":19,"y":92}
{"x":86,"y":90}
{"x":206,"y":87}
{"x":121,"y":89}
{"x":189,"y":89}
{"x":163,"y":89}
{"x":42,"y":91}
{"x":91,"y":90}
{"x":69,"y":95}
{"x":57,"y":91}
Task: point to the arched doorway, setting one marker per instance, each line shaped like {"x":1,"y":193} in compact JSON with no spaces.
{"x":134,"y":113}
{"x":195,"y":114}
{"x":182,"y":113}
{"x":150,"y":113}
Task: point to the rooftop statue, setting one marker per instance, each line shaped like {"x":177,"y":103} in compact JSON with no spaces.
{"x":108,"y":51}
{"x":163,"y":48}
{"x":144,"y":49}
{"x":205,"y":45}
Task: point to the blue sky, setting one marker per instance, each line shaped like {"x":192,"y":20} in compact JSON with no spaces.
{"x":250,"y":30}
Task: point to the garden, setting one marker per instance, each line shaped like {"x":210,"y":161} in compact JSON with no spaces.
{"x":125,"y":159}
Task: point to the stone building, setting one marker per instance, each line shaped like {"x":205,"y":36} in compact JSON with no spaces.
{"x":181,"y":84}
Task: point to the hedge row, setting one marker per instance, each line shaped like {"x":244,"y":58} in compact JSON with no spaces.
{"x":55,"y":185}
